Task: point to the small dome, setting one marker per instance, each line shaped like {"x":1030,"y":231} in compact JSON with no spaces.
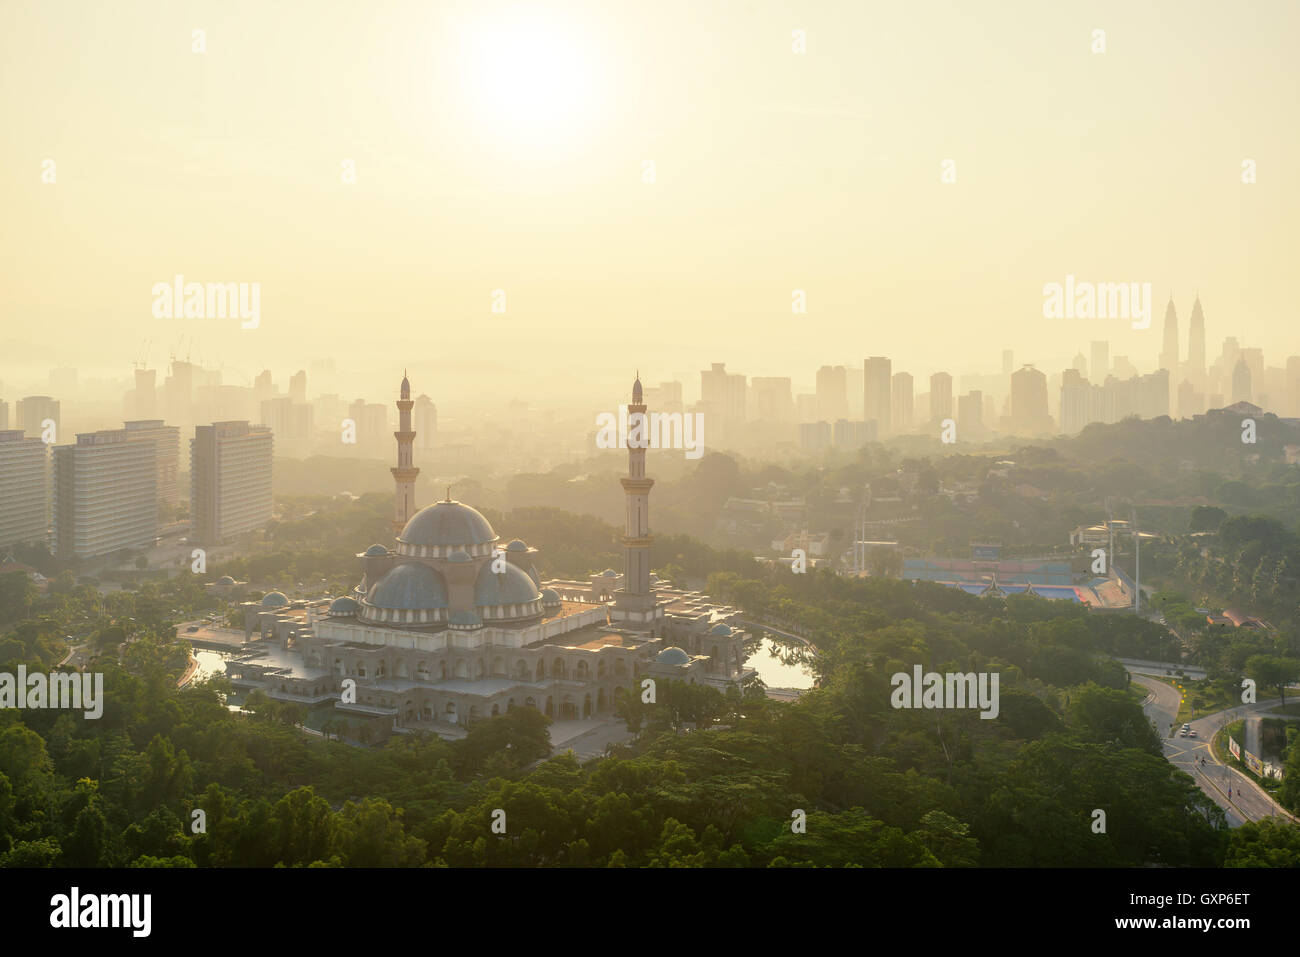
{"x":550,"y":596}
{"x":376,"y":550}
{"x":225,"y":580}
{"x":459,"y":556}
{"x":344,"y":606}
{"x":720,"y":629}
{"x":517,"y":546}
{"x":673,"y":656}
{"x":274,"y":599}
{"x":447,"y":523}
{"x":609,"y":573}
{"x":510,"y":587}
{"x":409,"y":586}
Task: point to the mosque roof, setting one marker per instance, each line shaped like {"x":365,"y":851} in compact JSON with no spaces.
{"x":447,"y":523}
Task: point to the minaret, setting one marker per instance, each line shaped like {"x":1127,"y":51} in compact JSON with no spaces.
{"x":405,"y":473}
{"x":634,"y":602}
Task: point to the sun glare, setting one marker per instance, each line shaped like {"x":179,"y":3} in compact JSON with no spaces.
{"x":528,"y":79}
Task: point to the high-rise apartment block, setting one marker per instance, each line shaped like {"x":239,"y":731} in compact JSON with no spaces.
{"x":940,"y":397}
{"x":230,"y":479}
{"x":833,"y":392}
{"x":24,"y":469}
{"x":425,"y":417}
{"x":105,"y":494}
{"x":877,"y":392}
{"x":34,"y":412}
{"x":902,"y":396}
{"x":167,"y":443}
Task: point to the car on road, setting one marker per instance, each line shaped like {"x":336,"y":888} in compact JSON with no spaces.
{"x":1191,"y":732}
{"x":1182,"y":733}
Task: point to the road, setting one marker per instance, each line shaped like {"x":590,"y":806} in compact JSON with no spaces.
{"x":1241,"y":798}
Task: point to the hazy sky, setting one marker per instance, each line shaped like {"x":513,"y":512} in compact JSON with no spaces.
{"x":503,"y":146}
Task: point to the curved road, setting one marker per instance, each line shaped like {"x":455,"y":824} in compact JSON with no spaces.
{"x":1241,"y":798}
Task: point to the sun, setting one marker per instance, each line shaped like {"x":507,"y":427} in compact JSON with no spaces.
{"x":529,"y":79}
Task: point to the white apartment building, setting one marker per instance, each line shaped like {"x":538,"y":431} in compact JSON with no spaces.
{"x":230,"y":480}
{"x":23,"y":483}
{"x":105,"y":494}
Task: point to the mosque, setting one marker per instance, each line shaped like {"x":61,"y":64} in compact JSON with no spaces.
{"x":448,"y":625}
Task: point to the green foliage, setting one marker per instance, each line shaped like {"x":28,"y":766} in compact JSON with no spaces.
{"x":1272,"y":842}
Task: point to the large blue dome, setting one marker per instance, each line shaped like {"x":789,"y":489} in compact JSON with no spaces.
{"x":447,"y":523}
{"x":409,"y":586}
{"x":673,"y":656}
{"x":509,"y":587}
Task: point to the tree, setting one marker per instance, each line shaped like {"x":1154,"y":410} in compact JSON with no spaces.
{"x":1206,"y":518}
{"x":1273,"y":671}
{"x":1270,"y":842}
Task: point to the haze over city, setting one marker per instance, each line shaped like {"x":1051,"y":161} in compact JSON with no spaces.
{"x":750,"y":435}
{"x":772,"y":172}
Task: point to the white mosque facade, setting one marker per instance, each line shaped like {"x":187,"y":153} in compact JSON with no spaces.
{"x":449,"y":625}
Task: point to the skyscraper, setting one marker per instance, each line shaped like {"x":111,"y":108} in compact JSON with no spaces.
{"x":832,"y":392}
{"x":23,"y":476}
{"x":876,"y":392}
{"x":970,"y":415}
{"x":371,"y":420}
{"x":772,"y":398}
{"x":1075,"y":396}
{"x":230,"y":479}
{"x":105,"y":494}
{"x":1196,"y":346}
{"x":167,"y":454}
{"x":1029,"y":401}
{"x":1241,"y":382}
{"x":901,"y":399}
{"x":1169,"y":352}
{"x":940,"y":397}
{"x":426,"y":421}
{"x":34,"y":411}
{"x":1099,"y":364}
{"x":142,"y":401}
{"x":723,"y":396}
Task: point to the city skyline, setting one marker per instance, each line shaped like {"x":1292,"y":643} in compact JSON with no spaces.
{"x":1202,"y":378}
